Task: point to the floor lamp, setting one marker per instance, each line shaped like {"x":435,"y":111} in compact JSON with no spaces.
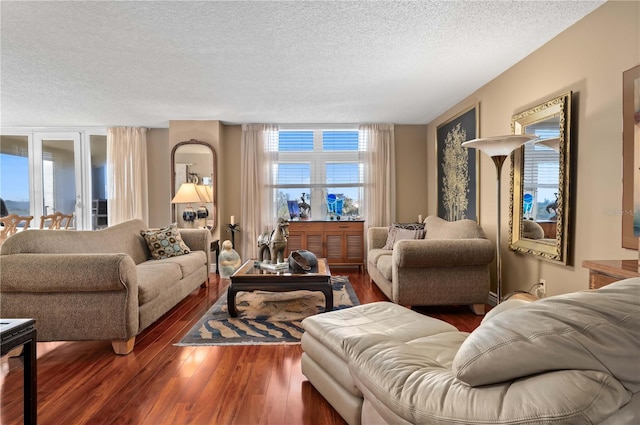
{"x":498,"y":148}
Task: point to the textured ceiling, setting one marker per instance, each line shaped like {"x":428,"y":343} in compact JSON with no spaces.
{"x":144,"y":63}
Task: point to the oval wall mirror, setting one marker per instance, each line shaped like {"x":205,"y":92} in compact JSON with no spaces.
{"x":540,"y":179}
{"x":194,"y":162}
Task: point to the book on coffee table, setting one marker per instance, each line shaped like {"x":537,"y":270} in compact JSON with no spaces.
{"x":278,"y":267}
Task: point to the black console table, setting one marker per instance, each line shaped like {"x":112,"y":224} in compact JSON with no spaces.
{"x":22,"y":333}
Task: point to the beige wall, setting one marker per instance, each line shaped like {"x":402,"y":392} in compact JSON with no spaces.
{"x":411,"y":172}
{"x":230,"y":167}
{"x":159,"y":176}
{"x":588,"y":59}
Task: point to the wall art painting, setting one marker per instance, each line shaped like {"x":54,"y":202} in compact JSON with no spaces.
{"x":458,"y":195}
{"x":631,"y":158}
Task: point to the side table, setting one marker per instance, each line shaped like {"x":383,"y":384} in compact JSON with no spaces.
{"x":22,"y":332}
{"x":604,"y":272}
{"x":215,"y":246}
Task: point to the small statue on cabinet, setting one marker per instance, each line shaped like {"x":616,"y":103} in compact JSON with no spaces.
{"x":228,"y":261}
{"x":305,"y":208}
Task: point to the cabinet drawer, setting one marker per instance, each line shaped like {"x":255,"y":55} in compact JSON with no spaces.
{"x":343,"y":225}
{"x":305,"y":226}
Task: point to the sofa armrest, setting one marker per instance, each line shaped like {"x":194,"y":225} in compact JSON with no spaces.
{"x":33,"y":273}
{"x":73,"y":297}
{"x":198,"y":240}
{"x":443,"y":253}
{"x":377,"y":237}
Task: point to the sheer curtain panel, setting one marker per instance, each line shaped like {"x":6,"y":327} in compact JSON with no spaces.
{"x":378,"y":147}
{"x":127,"y":174}
{"x":258,"y":151}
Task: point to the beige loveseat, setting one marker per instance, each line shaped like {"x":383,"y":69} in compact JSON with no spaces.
{"x":96,"y":285}
{"x":450,"y":265}
{"x":570,"y":359}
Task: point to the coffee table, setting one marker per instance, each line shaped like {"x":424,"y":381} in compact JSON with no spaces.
{"x":250,"y":278}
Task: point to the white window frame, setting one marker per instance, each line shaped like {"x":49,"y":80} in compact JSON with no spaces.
{"x":317,"y":160}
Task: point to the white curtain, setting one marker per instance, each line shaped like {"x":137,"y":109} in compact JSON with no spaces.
{"x":127,"y":174}
{"x":258,"y":152}
{"x":377,"y":144}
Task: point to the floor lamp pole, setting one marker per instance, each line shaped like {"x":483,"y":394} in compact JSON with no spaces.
{"x":498,"y":148}
{"x":498,"y":160}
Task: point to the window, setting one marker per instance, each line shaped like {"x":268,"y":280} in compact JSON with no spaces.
{"x":541,"y":175}
{"x":14,"y":174}
{"x":314,"y":163}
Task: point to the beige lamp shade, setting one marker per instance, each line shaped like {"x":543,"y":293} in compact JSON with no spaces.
{"x":204,"y":193}
{"x":187,"y":194}
{"x":499,"y":145}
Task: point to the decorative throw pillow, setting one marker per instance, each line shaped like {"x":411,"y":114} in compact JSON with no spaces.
{"x":401,"y":231}
{"x":165,"y":242}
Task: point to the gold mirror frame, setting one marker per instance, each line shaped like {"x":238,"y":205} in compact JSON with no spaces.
{"x":548,"y":249}
{"x":213,"y":214}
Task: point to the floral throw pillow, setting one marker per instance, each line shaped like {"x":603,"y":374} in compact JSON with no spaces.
{"x":400,"y":231}
{"x":165,"y":242}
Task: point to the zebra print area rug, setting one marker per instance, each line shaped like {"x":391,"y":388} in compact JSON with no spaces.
{"x":265,"y":317}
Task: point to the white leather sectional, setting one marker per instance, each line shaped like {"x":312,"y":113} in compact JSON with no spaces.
{"x":568,"y":359}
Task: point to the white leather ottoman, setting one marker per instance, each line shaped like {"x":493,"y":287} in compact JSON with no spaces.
{"x":324,"y":361}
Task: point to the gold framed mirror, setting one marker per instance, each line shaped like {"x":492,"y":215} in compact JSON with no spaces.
{"x":540,"y":181}
{"x":194,"y":161}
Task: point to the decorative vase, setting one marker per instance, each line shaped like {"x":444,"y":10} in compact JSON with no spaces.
{"x":303,"y":261}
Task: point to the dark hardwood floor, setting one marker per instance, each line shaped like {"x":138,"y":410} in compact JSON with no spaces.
{"x":159,"y":383}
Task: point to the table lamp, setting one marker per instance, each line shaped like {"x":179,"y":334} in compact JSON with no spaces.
{"x":202,"y":213}
{"x":498,"y":148}
{"x":187,"y":194}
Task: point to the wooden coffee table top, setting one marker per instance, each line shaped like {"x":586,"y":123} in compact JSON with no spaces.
{"x":249,"y":273}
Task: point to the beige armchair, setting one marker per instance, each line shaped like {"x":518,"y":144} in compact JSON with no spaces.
{"x":449,"y":266}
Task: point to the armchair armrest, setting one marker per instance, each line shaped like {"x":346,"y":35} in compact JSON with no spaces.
{"x":30,"y":273}
{"x":443,"y":252}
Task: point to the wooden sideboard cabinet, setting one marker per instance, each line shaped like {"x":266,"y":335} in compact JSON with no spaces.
{"x":604,"y":272}
{"x":340,"y":242}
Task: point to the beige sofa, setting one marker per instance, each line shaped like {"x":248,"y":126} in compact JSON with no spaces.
{"x":569,"y":359}
{"x":96,"y":285}
{"x":450,"y":265}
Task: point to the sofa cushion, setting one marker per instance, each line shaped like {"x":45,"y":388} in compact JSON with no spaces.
{"x":401,"y":231}
{"x":414,"y":381}
{"x":374,"y":254}
{"x":589,"y":330}
{"x":437,"y":228}
{"x":382,"y":317}
{"x":156,"y":278}
{"x":188,"y":263}
{"x":165,"y":242}
{"x":385,"y":266}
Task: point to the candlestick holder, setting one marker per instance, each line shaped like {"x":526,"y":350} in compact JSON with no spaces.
{"x":233,"y":228}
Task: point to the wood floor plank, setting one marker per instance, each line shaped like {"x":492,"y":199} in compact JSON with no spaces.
{"x":161,"y":383}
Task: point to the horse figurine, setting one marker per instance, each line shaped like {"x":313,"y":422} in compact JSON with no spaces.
{"x":272,"y":244}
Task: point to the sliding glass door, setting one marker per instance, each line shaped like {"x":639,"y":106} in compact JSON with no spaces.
{"x":46,"y":172}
